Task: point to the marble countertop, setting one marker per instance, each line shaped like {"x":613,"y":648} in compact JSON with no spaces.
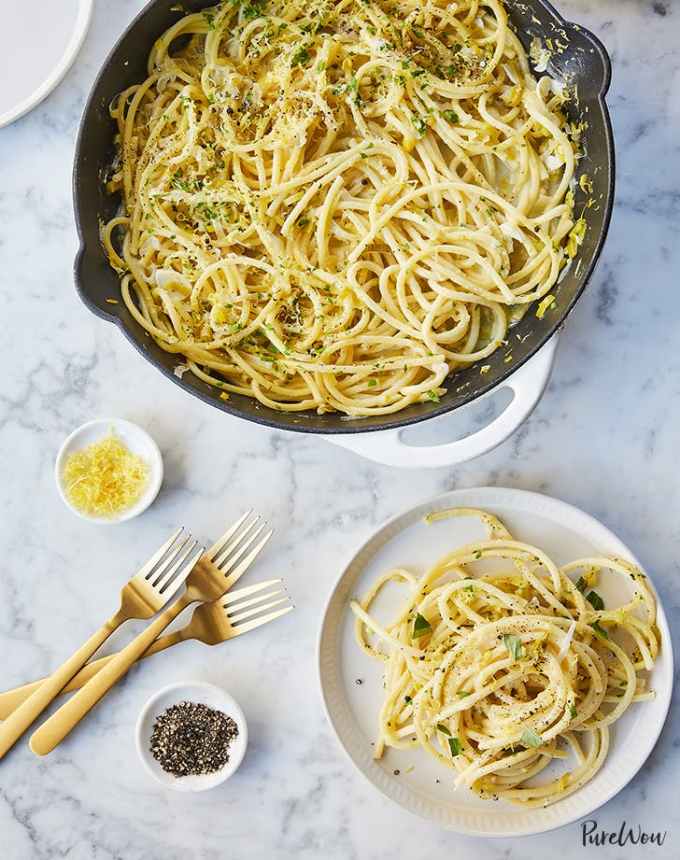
{"x":604,"y":437}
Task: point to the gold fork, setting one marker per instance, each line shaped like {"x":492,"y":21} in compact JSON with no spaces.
{"x":211,"y":623}
{"x":147,"y":592}
{"x":208,"y":580}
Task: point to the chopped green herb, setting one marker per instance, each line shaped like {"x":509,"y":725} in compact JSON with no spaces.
{"x":321,"y":67}
{"x":210,"y":19}
{"x":450,"y":115}
{"x":432,"y":395}
{"x":514,"y":645}
{"x":463,"y":693}
{"x":302,"y":222}
{"x":408,"y":699}
{"x":419,"y":124}
{"x":572,"y":710}
{"x":530,"y":739}
{"x":253,"y":9}
{"x":581,"y":585}
{"x":595,"y":600}
{"x":207,"y":212}
{"x":599,"y":629}
{"x":420,"y":626}
{"x":454,"y":746}
{"x":300,"y":56}
{"x":443,"y":729}
{"x":372,"y":383}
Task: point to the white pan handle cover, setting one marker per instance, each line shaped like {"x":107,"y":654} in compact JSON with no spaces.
{"x":527,"y":385}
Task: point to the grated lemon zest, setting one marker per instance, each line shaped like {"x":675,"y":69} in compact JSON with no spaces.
{"x":576,"y":237}
{"x":547,"y":303}
{"x":104,"y":478}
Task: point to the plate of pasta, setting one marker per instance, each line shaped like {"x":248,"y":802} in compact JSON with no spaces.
{"x":496,"y":661}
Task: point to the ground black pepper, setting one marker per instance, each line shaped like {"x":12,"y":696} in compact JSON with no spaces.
{"x":191,"y":738}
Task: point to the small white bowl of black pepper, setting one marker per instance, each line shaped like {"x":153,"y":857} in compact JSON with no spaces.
{"x":191,"y":736}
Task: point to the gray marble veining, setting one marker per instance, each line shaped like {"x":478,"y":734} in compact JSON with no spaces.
{"x":604,"y":437}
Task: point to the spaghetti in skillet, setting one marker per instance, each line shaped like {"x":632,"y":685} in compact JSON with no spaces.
{"x":498,"y":673}
{"x":331,"y":205}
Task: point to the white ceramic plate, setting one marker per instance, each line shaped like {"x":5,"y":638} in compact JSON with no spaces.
{"x":40,"y":41}
{"x":566,"y":533}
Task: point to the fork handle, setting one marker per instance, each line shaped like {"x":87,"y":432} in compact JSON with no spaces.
{"x":19,"y":720}
{"x":10,"y":700}
{"x":60,"y":724}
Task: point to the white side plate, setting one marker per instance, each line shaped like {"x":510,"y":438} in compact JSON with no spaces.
{"x":566,"y":533}
{"x":40,"y":41}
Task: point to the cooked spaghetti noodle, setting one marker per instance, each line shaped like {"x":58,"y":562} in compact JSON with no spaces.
{"x":499,"y":673}
{"x":333,"y":204}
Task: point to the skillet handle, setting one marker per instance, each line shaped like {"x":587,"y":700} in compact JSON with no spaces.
{"x":527,"y":385}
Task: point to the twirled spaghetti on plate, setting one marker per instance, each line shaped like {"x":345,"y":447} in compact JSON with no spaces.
{"x":333,"y":204}
{"x":499,"y":663}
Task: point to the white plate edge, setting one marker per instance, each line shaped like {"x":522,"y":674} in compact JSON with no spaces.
{"x":58,"y":73}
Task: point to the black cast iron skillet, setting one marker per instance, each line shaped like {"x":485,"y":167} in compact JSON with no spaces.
{"x":584,"y":61}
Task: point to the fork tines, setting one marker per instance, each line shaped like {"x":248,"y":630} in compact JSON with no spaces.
{"x":178,"y":568}
{"x":170,"y":564}
{"x":239,"y":545}
{"x":252,"y":605}
{"x":149,"y":571}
